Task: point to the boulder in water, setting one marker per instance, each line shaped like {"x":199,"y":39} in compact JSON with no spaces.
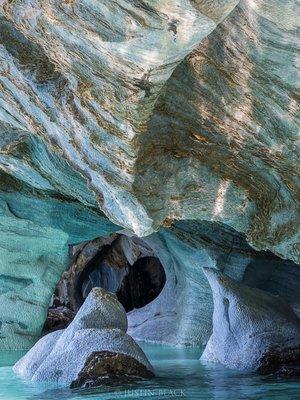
{"x":98,"y":328}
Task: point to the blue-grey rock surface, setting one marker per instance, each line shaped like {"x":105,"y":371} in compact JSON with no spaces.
{"x":168,"y":110}
{"x":182,"y":313}
{"x":100,"y":325}
{"x":247,"y":323}
{"x":176,"y":120}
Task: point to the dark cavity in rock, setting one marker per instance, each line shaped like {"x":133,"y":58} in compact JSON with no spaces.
{"x":136,"y":284}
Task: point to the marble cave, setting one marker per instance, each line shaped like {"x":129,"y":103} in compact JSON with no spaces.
{"x":149,"y":199}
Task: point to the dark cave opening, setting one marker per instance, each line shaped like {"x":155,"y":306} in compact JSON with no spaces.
{"x":135,"y":285}
{"x":143,"y":283}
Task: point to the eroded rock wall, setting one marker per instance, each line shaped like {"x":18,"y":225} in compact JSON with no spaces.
{"x":37,"y":226}
{"x":181,"y":314}
{"x":214,"y":140}
{"x":152,"y":112}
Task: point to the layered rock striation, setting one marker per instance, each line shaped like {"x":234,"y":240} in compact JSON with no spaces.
{"x":162,"y":121}
{"x":176,"y":120}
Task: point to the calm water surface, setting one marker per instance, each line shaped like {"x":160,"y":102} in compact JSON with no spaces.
{"x":180,"y":375}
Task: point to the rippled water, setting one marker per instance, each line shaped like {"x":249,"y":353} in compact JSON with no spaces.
{"x":179,"y":375}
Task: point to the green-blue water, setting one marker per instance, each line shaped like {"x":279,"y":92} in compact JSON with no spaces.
{"x":180,"y":374}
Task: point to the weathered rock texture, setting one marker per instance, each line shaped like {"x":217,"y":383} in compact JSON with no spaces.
{"x":34,"y":237}
{"x":282,"y":361}
{"x":106,"y":367}
{"x":148,"y":112}
{"x":215,"y":140}
{"x":182,"y":313}
{"x":99,"y":326}
{"x":252,"y":329}
{"x":103,"y":262}
{"x":58,"y":318}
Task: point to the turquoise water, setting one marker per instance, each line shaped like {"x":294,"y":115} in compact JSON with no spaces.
{"x":179,"y":375}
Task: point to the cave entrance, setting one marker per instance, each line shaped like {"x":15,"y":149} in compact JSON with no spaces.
{"x":135,"y":283}
{"x":143,"y":283}
{"x":135,"y":286}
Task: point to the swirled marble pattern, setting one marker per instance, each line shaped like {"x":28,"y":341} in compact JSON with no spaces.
{"x":138,"y":114}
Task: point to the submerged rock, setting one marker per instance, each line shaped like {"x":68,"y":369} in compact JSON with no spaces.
{"x":247,"y":324}
{"x":109,"y":367}
{"x":100,"y":326}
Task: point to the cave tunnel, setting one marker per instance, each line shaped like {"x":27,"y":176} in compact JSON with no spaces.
{"x":135,"y":285}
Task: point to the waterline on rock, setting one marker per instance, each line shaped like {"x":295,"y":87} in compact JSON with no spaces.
{"x":179,"y":373}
